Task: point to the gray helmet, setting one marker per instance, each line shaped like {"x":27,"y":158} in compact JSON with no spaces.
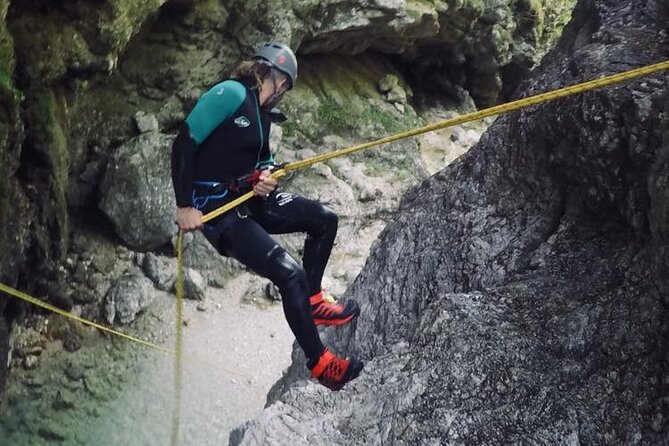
{"x":279,"y":56}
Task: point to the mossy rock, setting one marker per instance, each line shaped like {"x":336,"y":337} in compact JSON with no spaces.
{"x":54,"y":45}
{"x":339,"y":95}
{"x":49,"y":48}
{"x":48,"y":151}
{"x":8,"y":91}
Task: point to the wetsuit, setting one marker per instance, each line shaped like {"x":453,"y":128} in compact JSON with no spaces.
{"x":224,"y":137}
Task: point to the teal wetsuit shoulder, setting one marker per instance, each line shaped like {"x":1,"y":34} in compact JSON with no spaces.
{"x":214,"y":107}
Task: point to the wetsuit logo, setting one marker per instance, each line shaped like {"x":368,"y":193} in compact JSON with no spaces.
{"x":284,"y":198}
{"x":242,"y":122}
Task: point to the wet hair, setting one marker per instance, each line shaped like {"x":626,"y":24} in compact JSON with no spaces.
{"x":252,"y":73}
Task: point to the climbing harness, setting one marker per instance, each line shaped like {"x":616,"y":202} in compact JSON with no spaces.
{"x":204,"y":191}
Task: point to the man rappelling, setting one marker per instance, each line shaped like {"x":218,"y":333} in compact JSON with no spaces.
{"x":222,"y":150}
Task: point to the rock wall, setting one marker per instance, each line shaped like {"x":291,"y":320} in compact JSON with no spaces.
{"x":519,"y":296}
{"x":12,"y":202}
{"x":469,"y":47}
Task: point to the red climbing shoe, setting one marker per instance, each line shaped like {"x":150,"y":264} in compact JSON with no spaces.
{"x":327,"y":311}
{"x":334,"y":372}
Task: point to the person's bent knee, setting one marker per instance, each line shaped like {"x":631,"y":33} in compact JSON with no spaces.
{"x":329,"y":220}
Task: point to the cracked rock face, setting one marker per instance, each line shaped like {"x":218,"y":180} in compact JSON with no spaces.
{"x":520,"y":295}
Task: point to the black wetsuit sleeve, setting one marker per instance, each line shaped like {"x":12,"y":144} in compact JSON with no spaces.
{"x":212,"y":109}
{"x":184,"y":149}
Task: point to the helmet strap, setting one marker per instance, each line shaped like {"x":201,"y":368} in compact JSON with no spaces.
{"x":276,"y":95}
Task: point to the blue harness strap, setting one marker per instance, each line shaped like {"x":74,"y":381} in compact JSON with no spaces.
{"x":214,"y":191}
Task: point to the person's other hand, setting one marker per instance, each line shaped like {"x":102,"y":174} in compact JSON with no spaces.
{"x":265,"y":185}
{"x":189,"y":219}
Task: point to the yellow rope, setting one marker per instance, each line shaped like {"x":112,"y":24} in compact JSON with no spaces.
{"x":178,"y":369}
{"x":492,"y":111}
{"x":18,"y":294}
{"x":33,"y":300}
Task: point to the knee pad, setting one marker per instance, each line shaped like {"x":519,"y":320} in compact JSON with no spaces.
{"x":284,"y":271}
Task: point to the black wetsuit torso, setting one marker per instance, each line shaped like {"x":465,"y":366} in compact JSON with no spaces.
{"x":227,"y":136}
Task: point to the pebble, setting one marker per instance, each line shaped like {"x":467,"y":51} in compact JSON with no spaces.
{"x":70,"y":263}
{"x":31,"y":362}
{"x":71,"y":345}
{"x":75,"y":372}
{"x":72,"y":385}
{"x":63,"y":401}
{"x":51,"y":433}
{"x":35,"y":381}
{"x":35,"y":350}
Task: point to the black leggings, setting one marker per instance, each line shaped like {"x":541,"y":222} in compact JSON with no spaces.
{"x":243,"y":233}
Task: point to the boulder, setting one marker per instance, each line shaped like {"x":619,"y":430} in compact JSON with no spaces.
{"x":202,"y":257}
{"x":127,"y":296}
{"x":160,"y":270}
{"x":137,"y":193}
{"x":194,"y":285}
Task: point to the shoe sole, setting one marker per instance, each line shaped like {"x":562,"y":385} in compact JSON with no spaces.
{"x":334,"y":322}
